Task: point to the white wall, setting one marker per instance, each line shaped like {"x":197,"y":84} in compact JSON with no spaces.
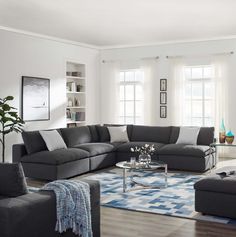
{"x":31,"y":56}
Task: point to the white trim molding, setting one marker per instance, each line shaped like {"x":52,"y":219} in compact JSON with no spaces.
{"x":108,"y":47}
{"x":42,"y":36}
{"x":168,"y":42}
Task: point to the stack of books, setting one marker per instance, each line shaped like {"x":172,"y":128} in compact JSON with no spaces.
{"x":78,"y":116}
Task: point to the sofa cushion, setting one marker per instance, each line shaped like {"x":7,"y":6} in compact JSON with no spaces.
{"x":174,"y":135}
{"x":103,"y":133}
{"x":185,"y":150}
{"x":205,"y":136}
{"x":76,"y":136}
{"x":125,"y":147}
{"x":150,"y":134}
{"x":94,"y":133}
{"x":95,"y":149}
{"x":33,"y":142}
{"x":56,"y":157}
{"x":12,"y":180}
{"x":217,"y":183}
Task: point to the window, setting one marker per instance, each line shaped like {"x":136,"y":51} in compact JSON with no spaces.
{"x":199,"y":96}
{"x":131,"y":97}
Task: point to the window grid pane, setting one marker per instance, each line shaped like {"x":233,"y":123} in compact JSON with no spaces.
{"x":131,"y":97}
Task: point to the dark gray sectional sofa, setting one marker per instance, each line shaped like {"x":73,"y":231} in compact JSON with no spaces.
{"x":89,"y":148}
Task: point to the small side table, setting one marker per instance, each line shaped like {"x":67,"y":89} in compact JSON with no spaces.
{"x":215,"y":146}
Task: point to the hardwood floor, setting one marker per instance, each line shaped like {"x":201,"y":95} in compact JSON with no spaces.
{"x":123,"y":223}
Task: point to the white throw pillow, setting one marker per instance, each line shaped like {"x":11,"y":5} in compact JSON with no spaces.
{"x":188,"y":135}
{"x":53,"y":140}
{"x":118,"y":134}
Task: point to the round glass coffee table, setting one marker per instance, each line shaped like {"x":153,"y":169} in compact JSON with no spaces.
{"x":154,"y":166}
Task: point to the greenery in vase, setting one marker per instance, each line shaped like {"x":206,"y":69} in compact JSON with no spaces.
{"x":9,"y":120}
{"x":147,"y":149}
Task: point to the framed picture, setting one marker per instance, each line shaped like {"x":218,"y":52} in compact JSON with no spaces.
{"x":35,"y":104}
{"x":163,"y":84}
{"x":163,"y":98}
{"x":163,"y":111}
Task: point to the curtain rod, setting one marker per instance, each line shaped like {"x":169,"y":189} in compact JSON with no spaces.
{"x":113,"y":61}
{"x":215,"y":54}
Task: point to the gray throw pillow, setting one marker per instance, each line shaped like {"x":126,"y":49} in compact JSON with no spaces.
{"x":188,"y":135}
{"x":118,"y":134}
{"x":53,"y":140}
{"x":12,"y":180}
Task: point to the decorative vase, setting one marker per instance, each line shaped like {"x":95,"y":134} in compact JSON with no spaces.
{"x":222,"y":132}
{"x":229,"y":137}
{"x":144,"y":159}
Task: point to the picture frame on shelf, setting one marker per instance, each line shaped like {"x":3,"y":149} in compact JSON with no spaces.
{"x":163,"y":111}
{"x":35,"y":99}
{"x":163,"y":97}
{"x":163,"y":84}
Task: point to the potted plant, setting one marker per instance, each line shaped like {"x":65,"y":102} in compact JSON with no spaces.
{"x":9,"y":120}
{"x":145,"y":153}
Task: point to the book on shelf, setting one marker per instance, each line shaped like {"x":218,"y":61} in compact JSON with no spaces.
{"x":71,"y":86}
{"x":77,"y":116}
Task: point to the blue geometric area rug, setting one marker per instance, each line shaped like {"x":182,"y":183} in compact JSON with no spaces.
{"x":176,"y":200}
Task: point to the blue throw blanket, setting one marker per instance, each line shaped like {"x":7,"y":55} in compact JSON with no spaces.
{"x":73,"y":206}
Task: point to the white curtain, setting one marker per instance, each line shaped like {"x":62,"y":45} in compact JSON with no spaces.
{"x":221,"y":76}
{"x":221,"y":89}
{"x":176,"y":88}
{"x":150,"y":69}
{"x":110,"y":92}
{"x":221,"y":79}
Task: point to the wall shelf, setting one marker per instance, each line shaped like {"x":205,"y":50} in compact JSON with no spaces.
{"x":75,"y":78}
{"x":76,"y":107}
{"x":72,"y":122}
{"x":76,"y":94}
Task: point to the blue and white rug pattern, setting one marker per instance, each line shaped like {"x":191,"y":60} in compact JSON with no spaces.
{"x":175,"y":200}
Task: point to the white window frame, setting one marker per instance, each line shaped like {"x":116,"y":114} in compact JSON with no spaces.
{"x":203,"y":81}
{"x":134,"y":83}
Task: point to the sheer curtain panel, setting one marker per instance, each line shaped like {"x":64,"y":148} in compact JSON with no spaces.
{"x":176,"y":86}
{"x":110,"y":92}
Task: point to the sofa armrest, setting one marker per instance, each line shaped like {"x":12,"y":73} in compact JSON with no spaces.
{"x":28,"y":215}
{"x":95,"y":205}
{"x":18,"y":150}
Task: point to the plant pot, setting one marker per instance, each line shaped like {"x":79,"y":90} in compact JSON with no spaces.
{"x":229,"y":139}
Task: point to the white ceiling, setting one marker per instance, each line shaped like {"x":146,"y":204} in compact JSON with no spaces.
{"x":122,"y":22}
